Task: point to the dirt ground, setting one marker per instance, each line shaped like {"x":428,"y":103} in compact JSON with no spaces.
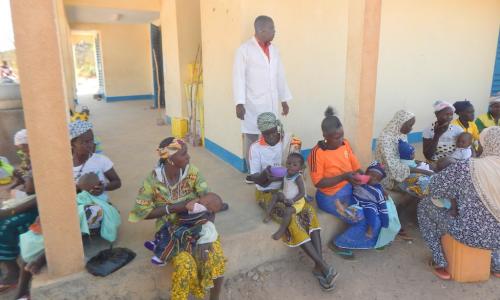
{"x":398,"y":272}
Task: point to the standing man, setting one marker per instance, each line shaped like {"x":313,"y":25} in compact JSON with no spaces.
{"x":259,"y":83}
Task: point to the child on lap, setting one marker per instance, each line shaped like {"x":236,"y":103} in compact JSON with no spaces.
{"x":195,"y":227}
{"x":293,"y":195}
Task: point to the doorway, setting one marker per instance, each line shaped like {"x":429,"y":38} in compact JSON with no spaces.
{"x":157,"y":59}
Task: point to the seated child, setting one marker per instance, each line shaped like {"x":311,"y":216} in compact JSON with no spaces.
{"x":195,"y":227}
{"x":464,"y":148}
{"x":293,"y":194}
{"x":407,"y":156}
{"x":96,"y":214}
{"x":371,"y":200}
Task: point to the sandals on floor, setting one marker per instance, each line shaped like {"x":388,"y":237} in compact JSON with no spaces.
{"x":328,"y":282}
{"x":440,"y":272}
{"x":346,"y":254}
{"x":404,"y":236}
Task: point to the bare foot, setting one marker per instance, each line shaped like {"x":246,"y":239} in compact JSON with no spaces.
{"x":34,"y":267}
{"x":278,"y":234}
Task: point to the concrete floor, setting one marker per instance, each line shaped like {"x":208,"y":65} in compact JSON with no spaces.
{"x":130,"y":135}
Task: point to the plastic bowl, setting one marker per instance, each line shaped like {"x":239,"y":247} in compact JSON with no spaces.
{"x":362,"y":178}
{"x":278,"y":171}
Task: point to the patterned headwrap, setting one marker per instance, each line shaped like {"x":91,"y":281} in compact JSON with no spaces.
{"x":78,"y":128}
{"x":485,"y":170}
{"x":440,"y":105}
{"x":266,"y":121}
{"x":406,"y":151}
{"x":490,"y":140}
{"x":460,"y":106}
{"x":79,"y":116}
{"x":170,"y":149}
{"x":377,"y":167}
{"x":21,"y":137}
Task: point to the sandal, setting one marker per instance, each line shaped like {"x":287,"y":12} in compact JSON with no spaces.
{"x":440,"y":272}
{"x":327,"y":282}
{"x":404,"y":236}
{"x":346,"y":254}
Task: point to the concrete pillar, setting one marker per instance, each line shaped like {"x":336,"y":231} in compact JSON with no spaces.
{"x":37,"y":29}
{"x":361,"y":74}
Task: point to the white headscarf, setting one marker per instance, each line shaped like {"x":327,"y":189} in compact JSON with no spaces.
{"x":387,"y":149}
{"x":440,"y":105}
{"x":486,"y":170}
{"x":21,"y":137}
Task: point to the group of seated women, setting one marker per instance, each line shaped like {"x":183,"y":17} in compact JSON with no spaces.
{"x":456,"y":184}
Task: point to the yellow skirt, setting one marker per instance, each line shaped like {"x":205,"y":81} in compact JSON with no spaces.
{"x":301,"y":225}
{"x":194,"y":276}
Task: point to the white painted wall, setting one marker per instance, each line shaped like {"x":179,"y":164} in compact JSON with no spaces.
{"x":435,"y":50}
{"x":312,"y":43}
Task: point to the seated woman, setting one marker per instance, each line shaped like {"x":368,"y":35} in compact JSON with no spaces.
{"x":394,"y":152}
{"x":16,"y":221}
{"x":303,"y":230}
{"x":333,"y":166}
{"x":166,"y":192}
{"x":474,"y":185}
{"x":439,"y":139}
{"x":492,"y":117}
{"x":86,"y":161}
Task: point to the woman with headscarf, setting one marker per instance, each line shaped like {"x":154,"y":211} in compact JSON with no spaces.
{"x":86,"y":161}
{"x":271,"y":149}
{"x":474,"y":185}
{"x":389,"y":146}
{"x":165,"y":193}
{"x":440,"y":138}
{"x":492,"y":117}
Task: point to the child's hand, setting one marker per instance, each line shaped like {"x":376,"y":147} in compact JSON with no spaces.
{"x":288,"y":202}
{"x":204,"y":251}
{"x":190,"y":205}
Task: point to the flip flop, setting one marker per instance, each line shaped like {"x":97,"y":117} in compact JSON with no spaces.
{"x":6,"y":287}
{"x":440,"y":272}
{"x":327,"y":282}
{"x":404,"y":236}
{"x":346,"y":254}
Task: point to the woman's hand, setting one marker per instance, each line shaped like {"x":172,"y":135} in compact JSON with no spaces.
{"x":204,"y":250}
{"x":349,"y":176}
{"x":439,"y":129}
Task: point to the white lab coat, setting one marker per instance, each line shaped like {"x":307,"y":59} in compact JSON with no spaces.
{"x":258,"y":82}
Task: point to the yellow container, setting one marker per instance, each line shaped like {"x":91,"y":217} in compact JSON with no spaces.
{"x":194,"y":73}
{"x":179,"y":127}
{"x":466,"y":264}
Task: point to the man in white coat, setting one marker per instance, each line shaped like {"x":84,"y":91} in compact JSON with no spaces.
{"x":259,"y":83}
